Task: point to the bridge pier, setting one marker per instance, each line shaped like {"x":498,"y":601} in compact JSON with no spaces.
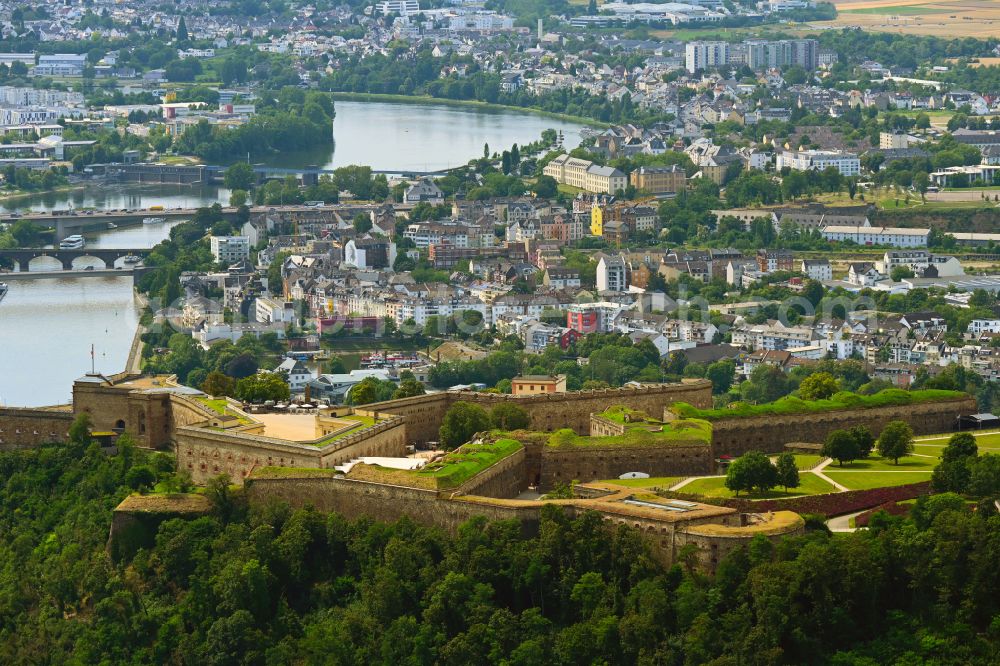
{"x":24,"y":265}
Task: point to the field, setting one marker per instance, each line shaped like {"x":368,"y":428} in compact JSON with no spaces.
{"x":943,"y":18}
{"x":876,"y":464}
{"x":715,"y":487}
{"x":868,"y":480}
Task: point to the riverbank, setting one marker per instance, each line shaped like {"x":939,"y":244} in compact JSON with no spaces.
{"x":35,"y":193}
{"x":470,"y":103}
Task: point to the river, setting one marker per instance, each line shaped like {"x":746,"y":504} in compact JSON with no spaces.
{"x":423,"y":137}
{"x":47,"y":326}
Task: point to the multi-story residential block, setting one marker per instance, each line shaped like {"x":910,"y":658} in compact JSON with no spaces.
{"x":401,"y":7}
{"x":612,"y":273}
{"x":583,"y":319}
{"x":230,"y":249}
{"x":763,"y":54}
{"x":893,"y":140}
{"x":980,"y":326}
{"x":816,"y":269}
{"x":705,"y":55}
{"x":769,"y":261}
{"x":846,"y":163}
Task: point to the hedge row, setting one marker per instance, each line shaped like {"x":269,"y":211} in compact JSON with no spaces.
{"x":829,"y":505}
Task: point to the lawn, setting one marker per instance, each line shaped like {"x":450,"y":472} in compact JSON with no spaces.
{"x":868,"y":480}
{"x":876,"y":464}
{"x":807,"y":460}
{"x":464,"y":463}
{"x":362,"y":422}
{"x":651,"y":482}
{"x":985,"y":439}
{"x":927,"y":451}
{"x":715,"y":487}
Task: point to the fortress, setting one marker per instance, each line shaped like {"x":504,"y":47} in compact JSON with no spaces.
{"x":330,"y":460}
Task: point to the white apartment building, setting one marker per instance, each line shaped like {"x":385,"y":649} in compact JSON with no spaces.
{"x":893,"y":140}
{"x":980,"y":326}
{"x":919,"y":261}
{"x":270,"y":310}
{"x":705,"y":55}
{"x":230,"y":249}
{"x":612,"y":274}
{"x":401,"y":7}
{"x":846,"y":163}
{"x":892,"y":236}
{"x":816,"y":269}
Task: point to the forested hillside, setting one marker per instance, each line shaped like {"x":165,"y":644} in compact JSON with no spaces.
{"x":275,"y":586}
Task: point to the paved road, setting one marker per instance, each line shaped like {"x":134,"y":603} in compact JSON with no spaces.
{"x":818,"y":471}
{"x":843,"y":523}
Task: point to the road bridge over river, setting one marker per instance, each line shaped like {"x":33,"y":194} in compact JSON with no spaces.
{"x":68,"y":258}
{"x":66,"y":223}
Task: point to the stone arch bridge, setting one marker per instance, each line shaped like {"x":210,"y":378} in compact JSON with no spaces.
{"x":23,"y":258}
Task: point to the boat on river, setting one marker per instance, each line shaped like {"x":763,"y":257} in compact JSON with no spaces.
{"x":3,"y":290}
{"x":153,"y":220}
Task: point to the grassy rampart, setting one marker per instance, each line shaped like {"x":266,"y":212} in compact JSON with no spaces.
{"x":451,"y":471}
{"x":795,"y":405}
{"x":681,"y":433}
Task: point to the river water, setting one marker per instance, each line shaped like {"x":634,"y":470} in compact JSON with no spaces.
{"x":422,"y":137}
{"x":47,"y":326}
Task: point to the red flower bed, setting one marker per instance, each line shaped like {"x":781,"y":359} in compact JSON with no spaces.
{"x":832,"y":504}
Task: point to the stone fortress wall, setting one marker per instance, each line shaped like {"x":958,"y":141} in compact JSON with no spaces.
{"x":769,"y":433}
{"x":22,"y":428}
{"x":548,"y":412}
{"x":713,"y":531}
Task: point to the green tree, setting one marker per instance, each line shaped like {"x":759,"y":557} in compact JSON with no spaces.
{"x":953,"y":473}
{"x":895,"y":441}
{"x":508,"y":416}
{"x":984,"y":476}
{"x":864,"y":440}
{"x":369,"y":390}
{"x":362,"y":223}
{"x":721,"y":373}
{"x":182,"y":31}
{"x":141,"y":478}
{"x":961,"y":445}
{"x":218,"y":384}
{"x":79,"y":430}
{"x":751,"y":470}
{"x":788,"y":471}
{"x":545,"y":187}
{"x":238,"y":198}
{"x":461,"y":422}
{"x":262,"y":387}
{"x":841,"y":446}
{"x":818,"y":386}
{"x":900,"y":273}
{"x":239,"y":176}
{"x":408,"y":388}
